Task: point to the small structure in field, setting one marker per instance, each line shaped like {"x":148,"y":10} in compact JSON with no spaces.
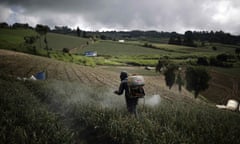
{"x":121,"y":41}
{"x":91,"y":53}
{"x":149,"y":68}
{"x":231,"y":105}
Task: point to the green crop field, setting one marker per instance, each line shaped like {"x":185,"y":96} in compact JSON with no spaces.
{"x":56,"y":111}
{"x":120,"y":49}
{"x":76,"y":104}
{"x":109,"y":52}
{"x":12,"y":38}
{"x":15,"y":35}
{"x":58,"y":41}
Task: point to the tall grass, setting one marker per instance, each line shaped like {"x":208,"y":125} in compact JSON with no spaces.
{"x":98,"y":116}
{"x":24,"y":120}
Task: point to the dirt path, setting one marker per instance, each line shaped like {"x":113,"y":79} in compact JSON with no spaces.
{"x":222,"y":88}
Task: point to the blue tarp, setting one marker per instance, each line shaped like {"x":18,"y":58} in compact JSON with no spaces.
{"x":40,"y":75}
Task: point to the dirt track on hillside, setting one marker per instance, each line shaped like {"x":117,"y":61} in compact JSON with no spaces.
{"x":222,"y":88}
{"x":17,"y":64}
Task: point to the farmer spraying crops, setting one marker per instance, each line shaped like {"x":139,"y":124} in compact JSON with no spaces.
{"x":133,"y":91}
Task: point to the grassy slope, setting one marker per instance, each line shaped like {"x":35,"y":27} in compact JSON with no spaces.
{"x":15,"y":35}
{"x":94,"y":120}
{"x":58,"y":41}
{"x":98,"y":117}
{"x":120,"y":49}
{"x":24,"y":119}
{"x":129,"y":52}
{"x":11,"y":39}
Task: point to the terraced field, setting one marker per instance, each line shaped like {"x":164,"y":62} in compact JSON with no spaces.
{"x":90,"y":114}
{"x":16,"y":64}
{"x":23,"y":65}
{"x":222,"y":88}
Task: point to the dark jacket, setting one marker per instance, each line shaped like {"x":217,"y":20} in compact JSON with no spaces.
{"x":124,"y":87}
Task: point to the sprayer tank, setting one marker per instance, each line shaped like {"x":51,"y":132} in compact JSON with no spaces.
{"x":136,"y":80}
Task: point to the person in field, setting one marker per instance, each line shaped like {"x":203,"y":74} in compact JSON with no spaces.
{"x":130,"y":101}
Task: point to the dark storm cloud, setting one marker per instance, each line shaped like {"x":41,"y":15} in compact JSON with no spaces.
{"x":169,"y":15}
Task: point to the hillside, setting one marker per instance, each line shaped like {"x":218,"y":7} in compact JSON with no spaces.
{"x":78,"y":104}
{"x":24,"y":65}
{"x":223,"y":85}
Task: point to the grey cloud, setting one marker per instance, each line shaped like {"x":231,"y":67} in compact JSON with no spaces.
{"x":170,"y":15}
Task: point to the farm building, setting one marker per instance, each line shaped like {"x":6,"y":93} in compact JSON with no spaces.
{"x":121,"y":41}
{"x":91,"y":53}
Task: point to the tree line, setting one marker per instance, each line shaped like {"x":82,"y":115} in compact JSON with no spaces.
{"x":189,"y":38}
{"x":194,"y":78}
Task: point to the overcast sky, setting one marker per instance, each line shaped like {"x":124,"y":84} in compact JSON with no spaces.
{"x":159,"y":15}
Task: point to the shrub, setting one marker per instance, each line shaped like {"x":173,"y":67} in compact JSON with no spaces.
{"x":170,"y":75}
{"x":214,"y":48}
{"x":197,"y":79}
{"x":216,"y":62}
{"x":202,"y":61}
{"x":65,"y":50}
{"x":162,"y":63}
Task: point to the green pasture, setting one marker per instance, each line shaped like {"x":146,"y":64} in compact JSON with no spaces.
{"x":110,"y":48}
{"x":13,"y":38}
{"x":10,"y":38}
{"x":59,"y":41}
{"x":109,"y":52}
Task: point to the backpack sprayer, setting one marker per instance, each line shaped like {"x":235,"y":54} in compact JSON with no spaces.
{"x":135,"y":85}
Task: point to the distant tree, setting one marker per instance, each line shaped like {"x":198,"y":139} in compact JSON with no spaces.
{"x":20,"y":25}
{"x":175,"y":39}
{"x":84,"y":34}
{"x":148,"y":45}
{"x":202,"y":61}
{"x":62,"y":29}
{"x":65,"y":50}
{"x":197,"y":79}
{"x":202,"y":43}
{"x":162,"y":63}
{"x":78,"y":32}
{"x":237,"y":52}
{"x":213,"y":61}
{"x":103,"y":37}
{"x":170,"y":75}
{"x":42,"y":31}
{"x":188,"y":39}
{"x":4,"y":25}
{"x":214,"y":48}
{"x":29,"y":41}
{"x":222,"y":57}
